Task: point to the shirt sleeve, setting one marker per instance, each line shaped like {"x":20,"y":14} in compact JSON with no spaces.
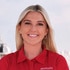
{"x":4,"y":63}
{"x":62,"y":64}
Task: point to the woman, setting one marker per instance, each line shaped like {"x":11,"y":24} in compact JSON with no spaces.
{"x":34,"y":43}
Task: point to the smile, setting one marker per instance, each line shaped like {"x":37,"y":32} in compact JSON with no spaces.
{"x":32,"y":35}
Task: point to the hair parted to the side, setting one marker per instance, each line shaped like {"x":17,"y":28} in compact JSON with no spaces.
{"x":48,"y":41}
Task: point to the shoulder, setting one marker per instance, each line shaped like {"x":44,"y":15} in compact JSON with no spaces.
{"x":58,"y":59}
{"x":8,"y":60}
{"x":55,"y":56}
{"x":9,"y":57}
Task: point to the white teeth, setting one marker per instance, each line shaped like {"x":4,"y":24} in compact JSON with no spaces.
{"x":32,"y":35}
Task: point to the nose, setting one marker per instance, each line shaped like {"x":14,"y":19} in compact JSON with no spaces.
{"x":33,"y":28}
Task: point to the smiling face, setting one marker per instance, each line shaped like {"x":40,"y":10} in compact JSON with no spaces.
{"x":33,"y":28}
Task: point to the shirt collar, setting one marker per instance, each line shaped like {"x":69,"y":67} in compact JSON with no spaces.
{"x":41,"y":58}
{"x":21,"y":57}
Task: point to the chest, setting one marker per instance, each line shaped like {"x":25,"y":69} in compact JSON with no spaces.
{"x":32,"y":66}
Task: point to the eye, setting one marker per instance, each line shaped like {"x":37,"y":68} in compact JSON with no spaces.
{"x":40,"y":24}
{"x":27,"y":23}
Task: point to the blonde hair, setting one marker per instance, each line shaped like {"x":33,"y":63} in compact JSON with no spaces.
{"x":48,"y":40}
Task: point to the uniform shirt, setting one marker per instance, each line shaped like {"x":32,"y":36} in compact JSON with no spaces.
{"x":46,"y":60}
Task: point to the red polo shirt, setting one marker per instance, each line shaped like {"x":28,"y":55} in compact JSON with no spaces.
{"x":47,"y":60}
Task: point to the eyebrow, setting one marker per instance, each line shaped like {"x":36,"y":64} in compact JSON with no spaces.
{"x":37,"y":21}
{"x":41,"y":21}
{"x":27,"y":20}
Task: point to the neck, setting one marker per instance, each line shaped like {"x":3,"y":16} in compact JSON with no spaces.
{"x":31,"y":51}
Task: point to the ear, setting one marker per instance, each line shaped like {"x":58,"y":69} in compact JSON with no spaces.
{"x":46,"y":32}
{"x":19,"y":28}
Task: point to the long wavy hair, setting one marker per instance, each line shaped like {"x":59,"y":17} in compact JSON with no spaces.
{"x":48,"y":41}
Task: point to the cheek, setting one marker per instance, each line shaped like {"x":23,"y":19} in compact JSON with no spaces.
{"x":24,"y":30}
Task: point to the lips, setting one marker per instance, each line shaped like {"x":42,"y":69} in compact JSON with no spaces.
{"x":33,"y":35}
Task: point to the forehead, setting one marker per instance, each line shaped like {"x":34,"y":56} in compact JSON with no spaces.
{"x":34,"y":15}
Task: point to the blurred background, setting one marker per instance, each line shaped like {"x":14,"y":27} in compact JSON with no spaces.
{"x":59,"y":14}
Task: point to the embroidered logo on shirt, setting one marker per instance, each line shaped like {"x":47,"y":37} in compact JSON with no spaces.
{"x":47,"y":68}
